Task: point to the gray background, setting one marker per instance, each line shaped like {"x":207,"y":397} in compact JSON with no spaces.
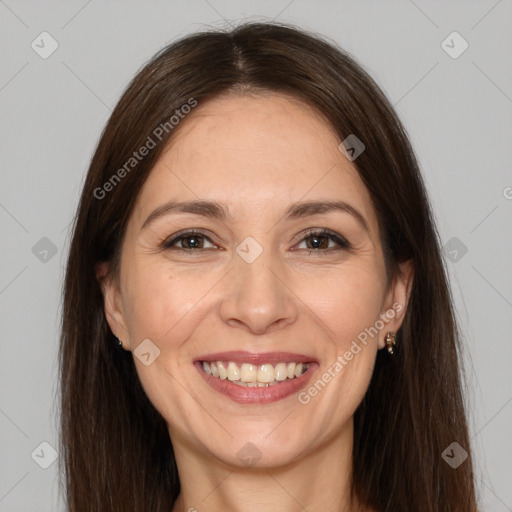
{"x":457,"y":111}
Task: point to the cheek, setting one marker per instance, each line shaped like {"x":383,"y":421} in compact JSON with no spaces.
{"x":162,"y":302}
{"x":347,"y":300}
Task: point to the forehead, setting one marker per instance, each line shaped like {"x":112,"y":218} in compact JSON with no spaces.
{"x":255,"y":153}
{"x":282,"y":127}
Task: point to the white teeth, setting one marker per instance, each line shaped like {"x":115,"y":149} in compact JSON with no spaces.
{"x":248,"y":373}
{"x":246,"y":384}
{"x":255,"y":384}
{"x":222,"y":371}
{"x":233,"y":372}
{"x":251,"y":375}
{"x":280,"y":372}
{"x":266,"y":373}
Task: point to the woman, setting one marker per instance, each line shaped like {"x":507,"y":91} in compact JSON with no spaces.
{"x":256,"y":314}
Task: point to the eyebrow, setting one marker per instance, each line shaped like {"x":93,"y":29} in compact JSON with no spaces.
{"x":216,"y":210}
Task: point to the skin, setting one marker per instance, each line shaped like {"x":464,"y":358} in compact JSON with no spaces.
{"x":257,"y":154}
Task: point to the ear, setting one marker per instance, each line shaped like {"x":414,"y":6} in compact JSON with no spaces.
{"x":113,"y":306}
{"x":397,"y":300}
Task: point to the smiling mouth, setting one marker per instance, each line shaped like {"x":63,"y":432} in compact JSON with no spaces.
{"x":254,"y":375}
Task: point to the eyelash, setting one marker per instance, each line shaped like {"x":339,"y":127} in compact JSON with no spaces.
{"x":342,"y":242}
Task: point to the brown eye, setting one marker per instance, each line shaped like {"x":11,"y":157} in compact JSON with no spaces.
{"x":318,"y":241}
{"x":189,"y":241}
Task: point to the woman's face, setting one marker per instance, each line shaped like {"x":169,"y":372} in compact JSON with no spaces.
{"x":254,"y":282}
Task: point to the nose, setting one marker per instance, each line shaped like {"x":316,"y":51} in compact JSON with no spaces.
{"x":258,"y":298}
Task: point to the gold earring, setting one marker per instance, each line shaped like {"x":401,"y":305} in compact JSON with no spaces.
{"x":390,"y":341}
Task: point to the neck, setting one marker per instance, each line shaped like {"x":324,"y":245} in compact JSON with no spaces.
{"x":319,"y":480}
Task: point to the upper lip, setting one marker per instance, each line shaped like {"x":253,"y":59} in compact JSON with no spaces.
{"x":272,"y":358}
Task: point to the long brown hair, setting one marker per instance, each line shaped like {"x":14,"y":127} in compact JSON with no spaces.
{"x":116,"y":453}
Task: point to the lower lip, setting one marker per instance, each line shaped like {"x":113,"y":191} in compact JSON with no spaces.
{"x":245,"y":395}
